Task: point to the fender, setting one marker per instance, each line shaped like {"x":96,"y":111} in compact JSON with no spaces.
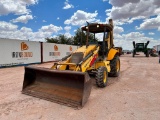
{"x":112,"y":52}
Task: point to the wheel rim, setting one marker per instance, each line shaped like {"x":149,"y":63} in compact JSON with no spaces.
{"x":105,"y":77}
{"x":118,"y":65}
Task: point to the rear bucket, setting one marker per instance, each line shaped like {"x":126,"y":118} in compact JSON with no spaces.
{"x":65,"y":87}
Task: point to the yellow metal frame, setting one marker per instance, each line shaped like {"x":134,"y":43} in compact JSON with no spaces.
{"x":112,"y":53}
{"x":85,"y":66}
{"x":103,"y":63}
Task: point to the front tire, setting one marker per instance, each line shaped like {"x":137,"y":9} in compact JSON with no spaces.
{"x":115,"y":67}
{"x":102,"y":77}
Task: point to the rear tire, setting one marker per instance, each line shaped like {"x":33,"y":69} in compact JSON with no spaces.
{"x":133,"y":53}
{"x":147,"y":53}
{"x":115,"y":67}
{"x":102,"y":77}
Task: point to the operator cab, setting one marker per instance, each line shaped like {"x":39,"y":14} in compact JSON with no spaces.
{"x":140,"y":46}
{"x":103,"y":30}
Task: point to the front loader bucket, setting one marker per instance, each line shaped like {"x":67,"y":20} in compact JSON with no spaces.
{"x":65,"y":87}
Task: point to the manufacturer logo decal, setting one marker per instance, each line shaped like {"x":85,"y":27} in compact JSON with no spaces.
{"x":22,"y":54}
{"x":55,"y":48}
{"x":70,"y":48}
{"x":24,"y":46}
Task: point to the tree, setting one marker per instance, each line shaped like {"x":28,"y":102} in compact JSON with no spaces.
{"x":61,"y":39}
{"x":51,"y":40}
{"x":79,"y":38}
{"x":79,"y":34}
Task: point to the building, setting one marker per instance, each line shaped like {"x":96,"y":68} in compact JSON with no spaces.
{"x":157,"y":47}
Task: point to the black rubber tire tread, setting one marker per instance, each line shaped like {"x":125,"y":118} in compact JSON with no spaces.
{"x":133,"y":53}
{"x":114,"y":72}
{"x":147,"y":53}
{"x":100,"y":76}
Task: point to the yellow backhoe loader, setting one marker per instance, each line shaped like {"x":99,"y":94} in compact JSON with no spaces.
{"x":68,"y":81}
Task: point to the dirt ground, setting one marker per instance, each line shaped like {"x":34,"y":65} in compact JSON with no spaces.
{"x":134,"y":95}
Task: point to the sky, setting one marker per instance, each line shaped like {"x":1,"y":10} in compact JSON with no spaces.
{"x":35,"y":20}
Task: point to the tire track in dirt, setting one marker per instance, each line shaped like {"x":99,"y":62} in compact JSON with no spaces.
{"x":15,"y":106}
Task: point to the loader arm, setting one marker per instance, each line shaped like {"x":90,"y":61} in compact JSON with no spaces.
{"x":90,"y":55}
{"x":89,"y":61}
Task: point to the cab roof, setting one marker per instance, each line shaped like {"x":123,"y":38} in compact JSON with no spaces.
{"x":98,"y":28}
